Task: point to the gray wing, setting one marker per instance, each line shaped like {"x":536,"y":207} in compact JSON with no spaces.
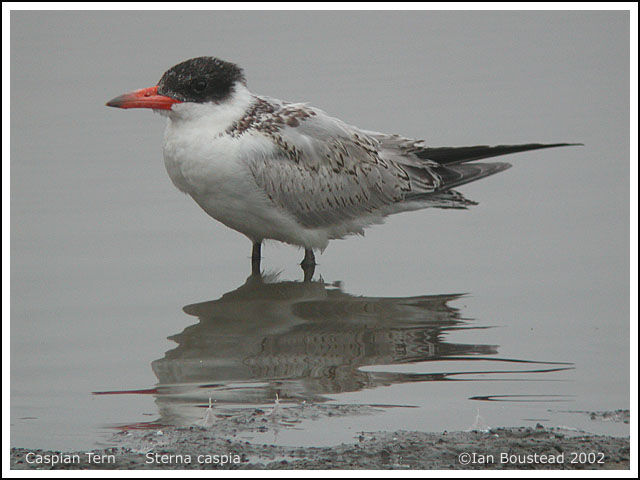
{"x":449,"y":164}
{"x":324,"y":172}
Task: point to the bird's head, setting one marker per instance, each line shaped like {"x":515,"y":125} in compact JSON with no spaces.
{"x":201,"y":81}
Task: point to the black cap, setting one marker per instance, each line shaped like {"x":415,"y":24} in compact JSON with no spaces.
{"x":201,"y":80}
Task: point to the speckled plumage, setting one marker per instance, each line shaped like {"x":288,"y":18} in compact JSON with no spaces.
{"x":330,"y":175}
{"x":288,"y":171}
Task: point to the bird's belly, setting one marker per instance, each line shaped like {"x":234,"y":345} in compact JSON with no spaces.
{"x":225,"y":189}
{"x":251,"y":217}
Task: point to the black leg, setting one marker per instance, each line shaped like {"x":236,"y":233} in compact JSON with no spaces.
{"x":256,"y":257}
{"x":308,"y":264}
{"x":309,"y":258}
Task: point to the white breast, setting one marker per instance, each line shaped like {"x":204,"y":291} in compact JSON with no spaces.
{"x":211,"y":167}
{"x":197,"y":154}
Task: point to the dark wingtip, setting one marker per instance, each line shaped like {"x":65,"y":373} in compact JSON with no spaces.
{"x":454,"y":155}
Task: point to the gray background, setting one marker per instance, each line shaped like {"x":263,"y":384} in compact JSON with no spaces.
{"x":105,"y":252}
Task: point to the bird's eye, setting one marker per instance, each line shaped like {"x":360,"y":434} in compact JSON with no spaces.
{"x":199,"y":86}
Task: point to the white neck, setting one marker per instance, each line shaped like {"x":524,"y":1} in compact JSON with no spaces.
{"x":215,"y":117}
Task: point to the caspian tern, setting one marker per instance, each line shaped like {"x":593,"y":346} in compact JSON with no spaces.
{"x":288,"y":171}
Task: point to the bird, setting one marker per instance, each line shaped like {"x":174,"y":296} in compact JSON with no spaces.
{"x":285,"y":171}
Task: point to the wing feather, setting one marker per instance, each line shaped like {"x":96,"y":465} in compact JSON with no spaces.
{"x":324,"y":172}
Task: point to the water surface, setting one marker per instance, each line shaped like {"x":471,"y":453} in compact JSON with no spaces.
{"x":516,"y":310}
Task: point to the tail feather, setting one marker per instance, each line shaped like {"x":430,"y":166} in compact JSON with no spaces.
{"x":456,"y":155}
{"x":455,"y":175}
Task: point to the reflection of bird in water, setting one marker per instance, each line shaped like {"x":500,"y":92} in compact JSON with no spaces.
{"x":302,"y":340}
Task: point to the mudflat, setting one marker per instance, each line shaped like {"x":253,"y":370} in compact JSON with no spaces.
{"x":218,"y":444}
